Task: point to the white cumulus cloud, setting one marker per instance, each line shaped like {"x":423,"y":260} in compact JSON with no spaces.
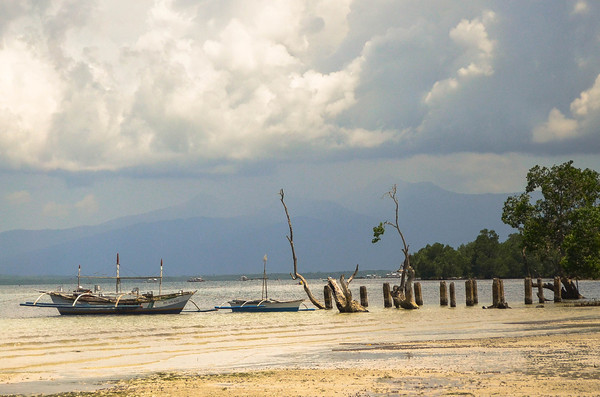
{"x":477,"y":55}
{"x":584,"y":111}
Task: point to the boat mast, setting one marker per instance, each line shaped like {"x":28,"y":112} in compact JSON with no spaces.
{"x":264,"y":288}
{"x":118,"y":277}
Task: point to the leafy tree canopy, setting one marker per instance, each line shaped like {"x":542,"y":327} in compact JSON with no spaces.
{"x":556,"y":226}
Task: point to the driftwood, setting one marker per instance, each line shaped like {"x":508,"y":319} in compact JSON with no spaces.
{"x":343,"y":296}
{"x":403,"y":296}
{"x":569,"y":289}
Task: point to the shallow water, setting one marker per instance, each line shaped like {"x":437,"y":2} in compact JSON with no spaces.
{"x":38,"y":345}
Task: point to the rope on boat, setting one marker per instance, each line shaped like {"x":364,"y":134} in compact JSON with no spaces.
{"x":199,"y":310}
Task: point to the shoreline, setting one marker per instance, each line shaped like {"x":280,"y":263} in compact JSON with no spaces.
{"x":538,"y":365}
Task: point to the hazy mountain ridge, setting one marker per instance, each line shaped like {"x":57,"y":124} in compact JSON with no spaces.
{"x":326,"y":236}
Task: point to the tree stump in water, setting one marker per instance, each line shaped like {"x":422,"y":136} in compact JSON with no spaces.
{"x":528,"y":291}
{"x":498,"y":301}
{"x":327,"y":297}
{"x":364,"y":300}
{"x":443,"y":294}
{"x":540,"y":293}
{"x":557,"y":291}
{"x":405,"y":299}
{"x":418,"y":294}
{"x":343,"y":297}
{"x":569,"y":288}
{"x":469,"y":292}
{"x":387,"y":295}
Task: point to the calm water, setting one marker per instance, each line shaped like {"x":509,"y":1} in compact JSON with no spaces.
{"x":39,"y":348}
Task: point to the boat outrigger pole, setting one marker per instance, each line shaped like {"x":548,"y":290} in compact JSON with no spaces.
{"x":264,"y":286}
{"x":118,"y":277}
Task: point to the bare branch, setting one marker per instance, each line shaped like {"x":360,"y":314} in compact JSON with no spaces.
{"x":353,"y":274}
{"x":395,"y":225}
{"x":296,"y":275}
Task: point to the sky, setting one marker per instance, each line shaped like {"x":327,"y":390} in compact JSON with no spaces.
{"x":112,"y":108}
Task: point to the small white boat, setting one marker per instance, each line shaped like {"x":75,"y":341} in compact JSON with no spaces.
{"x":396,"y":274}
{"x":265,"y":304}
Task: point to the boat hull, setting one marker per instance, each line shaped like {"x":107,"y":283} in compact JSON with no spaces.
{"x":261,"y":306}
{"x":160,"y":304}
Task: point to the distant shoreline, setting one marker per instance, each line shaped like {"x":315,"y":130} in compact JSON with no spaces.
{"x":361,"y":275}
{"x":28,"y":280}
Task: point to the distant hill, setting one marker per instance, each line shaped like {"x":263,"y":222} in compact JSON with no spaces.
{"x":327,"y":236}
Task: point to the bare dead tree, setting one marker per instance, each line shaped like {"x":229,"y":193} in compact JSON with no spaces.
{"x":341,"y":293}
{"x":404,"y":296}
{"x":297,"y":275}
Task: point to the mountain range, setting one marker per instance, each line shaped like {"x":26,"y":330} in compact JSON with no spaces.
{"x":327,"y":236}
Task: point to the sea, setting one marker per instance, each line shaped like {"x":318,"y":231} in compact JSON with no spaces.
{"x":44,"y":352}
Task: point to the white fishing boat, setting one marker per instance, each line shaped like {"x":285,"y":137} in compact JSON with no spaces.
{"x":265,"y":304}
{"x":86,"y":301}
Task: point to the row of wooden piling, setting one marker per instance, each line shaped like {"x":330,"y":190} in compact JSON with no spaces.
{"x":471,"y":294}
{"x":529,"y":284}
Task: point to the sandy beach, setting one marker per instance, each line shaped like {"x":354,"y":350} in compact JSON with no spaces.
{"x":547,"y":365}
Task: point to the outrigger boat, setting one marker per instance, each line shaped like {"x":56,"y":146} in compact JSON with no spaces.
{"x":265,"y":304}
{"x":85,"y":301}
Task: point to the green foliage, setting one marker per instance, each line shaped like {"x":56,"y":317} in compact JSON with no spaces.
{"x":485,"y":257}
{"x":378,"y":232}
{"x":546,"y":223}
{"x":582,"y":244}
{"x":439,"y":261}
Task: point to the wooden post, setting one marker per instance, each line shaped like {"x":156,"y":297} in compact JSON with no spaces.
{"x":469,"y":292}
{"x":475,"y":295}
{"x":501,"y":293}
{"x":387,"y":295}
{"x":443,"y":294}
{"x":364,"y":301}
{"x":418,"y":294}
{"x":557,"y":286}
{"x":495,"y":292}
{"x":528,"y":291}
{"x":452,"y":295}
{"x":540,"y":292}
{"x":327,"y":295}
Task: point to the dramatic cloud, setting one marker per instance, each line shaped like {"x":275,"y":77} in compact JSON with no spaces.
{"x":478,"y":50}
{"x":584,"y":110}
{"x":239,"y":87}
{"x":222,"y":90}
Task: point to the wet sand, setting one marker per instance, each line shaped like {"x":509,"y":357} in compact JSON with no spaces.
{"x":547,"y":349}
{"x":543,"y":365}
